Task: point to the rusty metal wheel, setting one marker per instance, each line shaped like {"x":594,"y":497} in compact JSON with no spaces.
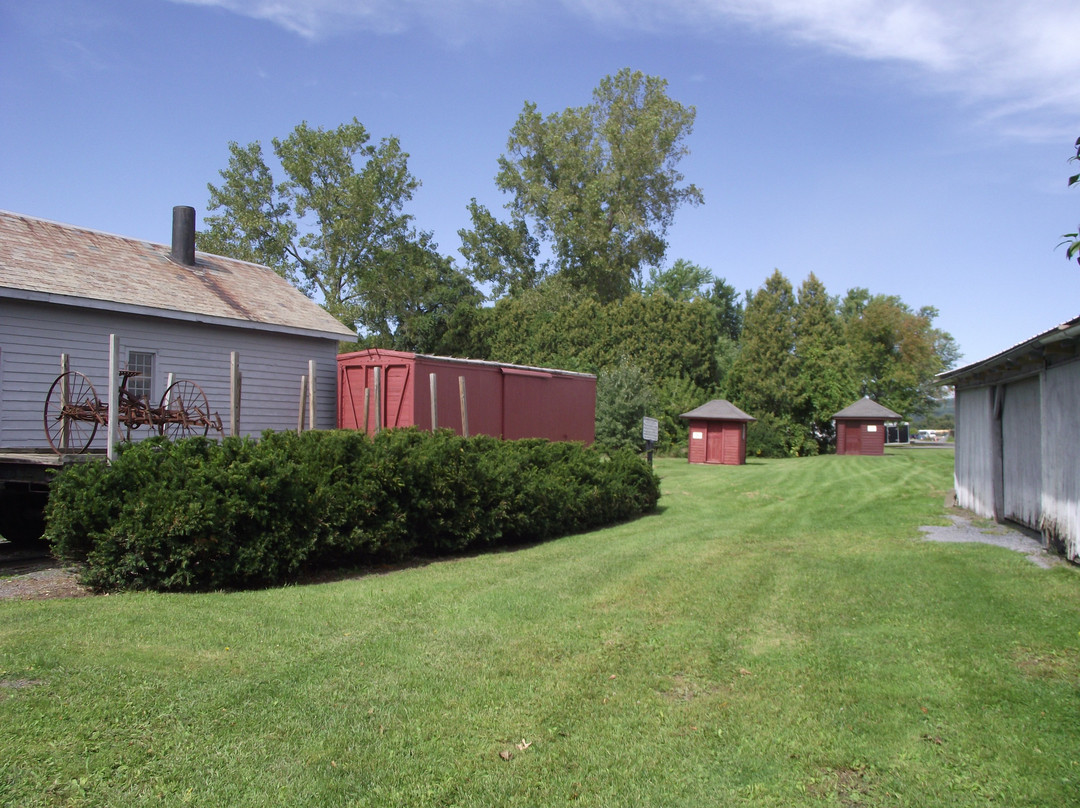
{"x":184,"y":411}
{"x":72,"y":413}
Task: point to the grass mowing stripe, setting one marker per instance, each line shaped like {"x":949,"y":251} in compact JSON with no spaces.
{"x":777,"y":634}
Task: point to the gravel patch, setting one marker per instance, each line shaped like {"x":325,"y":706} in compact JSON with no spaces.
{"x":41,"y":581}
{"x":963,"y":530}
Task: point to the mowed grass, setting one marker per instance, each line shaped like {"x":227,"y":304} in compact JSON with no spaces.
{"x":777,"y":634}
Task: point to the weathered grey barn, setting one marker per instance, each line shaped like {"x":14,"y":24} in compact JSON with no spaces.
{"x":65,"y":289}
{"x":1018,"y":436}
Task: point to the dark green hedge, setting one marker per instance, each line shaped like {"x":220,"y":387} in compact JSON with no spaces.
{"x":199,"y":515}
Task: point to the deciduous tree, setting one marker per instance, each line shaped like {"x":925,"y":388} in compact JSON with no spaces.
{"x":600,"y":183}
{"x":334,"y":225}
{"x":898,"y":353}
{"x":503,"y":255}
{"x":683,"y":280}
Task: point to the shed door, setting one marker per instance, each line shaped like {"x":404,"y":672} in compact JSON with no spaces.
{"x":1021,"y":452}
{"x":714,"y":442}
{"x":853,"y":438}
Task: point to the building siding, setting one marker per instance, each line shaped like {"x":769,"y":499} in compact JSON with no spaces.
{"x":504,"y":401}
{"x":1021,"y":447}
{"x":34,"y":335}
{"x":973,"y":470}
{"x":1060,"y":502}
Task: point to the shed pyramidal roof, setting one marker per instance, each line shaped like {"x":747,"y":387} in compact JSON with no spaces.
{"x":866,"y":408}
{"x":718,"y":409}
{"x":67,"y":265}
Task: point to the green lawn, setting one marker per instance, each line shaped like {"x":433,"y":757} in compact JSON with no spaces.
{"x":775,"y":635}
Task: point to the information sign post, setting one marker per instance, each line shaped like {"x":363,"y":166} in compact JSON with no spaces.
{"x":650,"y":432}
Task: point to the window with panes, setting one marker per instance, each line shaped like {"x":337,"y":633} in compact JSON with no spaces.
{"x":143,"y":384}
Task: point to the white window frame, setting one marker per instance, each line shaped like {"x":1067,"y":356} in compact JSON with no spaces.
{"x":142,"y":385}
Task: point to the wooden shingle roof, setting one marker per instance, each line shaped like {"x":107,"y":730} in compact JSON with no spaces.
{"x":718,"y":409}
{"x":67,"y":265}
{"x":867,"y":408}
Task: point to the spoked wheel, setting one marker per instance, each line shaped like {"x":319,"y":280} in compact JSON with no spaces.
{"x":185,"y":411}
{"x":72,"y":413}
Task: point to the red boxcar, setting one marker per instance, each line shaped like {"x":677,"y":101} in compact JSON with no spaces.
{"x":506,"y":401}
{"x":860,"y":428}
{"x":717,"y":433}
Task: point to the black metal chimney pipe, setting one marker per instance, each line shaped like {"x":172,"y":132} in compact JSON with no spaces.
{"x":183,"y":235}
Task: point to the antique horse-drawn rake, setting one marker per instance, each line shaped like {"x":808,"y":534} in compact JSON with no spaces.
{"x":73,"y":412}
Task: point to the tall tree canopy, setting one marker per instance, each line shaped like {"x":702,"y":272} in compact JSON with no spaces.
{"x":802,"y":358}
{"x":825,"y":364}
{"x":898,"y":352}
{"x":763,"y":378}
{"x":334,"y":226}
{"x":599,"y":184}
{"x":683,"y":280}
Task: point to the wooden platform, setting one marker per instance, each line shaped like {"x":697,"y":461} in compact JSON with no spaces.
{"x":33,"y":467}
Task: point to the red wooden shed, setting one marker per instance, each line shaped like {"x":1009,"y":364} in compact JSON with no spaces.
{"x":506,"y":401}
{"x":860,"y":428}
{"x":718,"y":433}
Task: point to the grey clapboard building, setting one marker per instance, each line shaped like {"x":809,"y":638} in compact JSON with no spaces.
{"x":65,"y":289}
{"x":1018,"y":436}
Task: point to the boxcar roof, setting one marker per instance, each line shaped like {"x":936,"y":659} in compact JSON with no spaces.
{"x":67,"y":265}
{"x":382,"y":354}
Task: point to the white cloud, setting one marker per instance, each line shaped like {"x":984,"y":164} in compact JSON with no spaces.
{"x":313,"y":19}
{"x":1018,"y":54}
{"x":1014,"y":56}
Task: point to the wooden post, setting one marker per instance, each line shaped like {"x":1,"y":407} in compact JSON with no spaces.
{"x":65,"y":400}
{"x":169,"y":380}
{"x":378,"y":400}
{"x":367,"y":404}
{"x":312,"y":409}
{"x":433,"y":384}
{"x":234,"y":393}
{"x":464,"y":407}
{"x":114,"y":397}
{"x":303,"y":396}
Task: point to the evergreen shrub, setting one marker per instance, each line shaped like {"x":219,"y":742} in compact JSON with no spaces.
{"x":198,"y":515}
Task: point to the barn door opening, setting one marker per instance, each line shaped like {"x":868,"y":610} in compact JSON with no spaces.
{"x":1021,"y":450}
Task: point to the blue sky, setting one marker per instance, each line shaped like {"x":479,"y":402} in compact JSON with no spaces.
{"x":913,"y":147}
